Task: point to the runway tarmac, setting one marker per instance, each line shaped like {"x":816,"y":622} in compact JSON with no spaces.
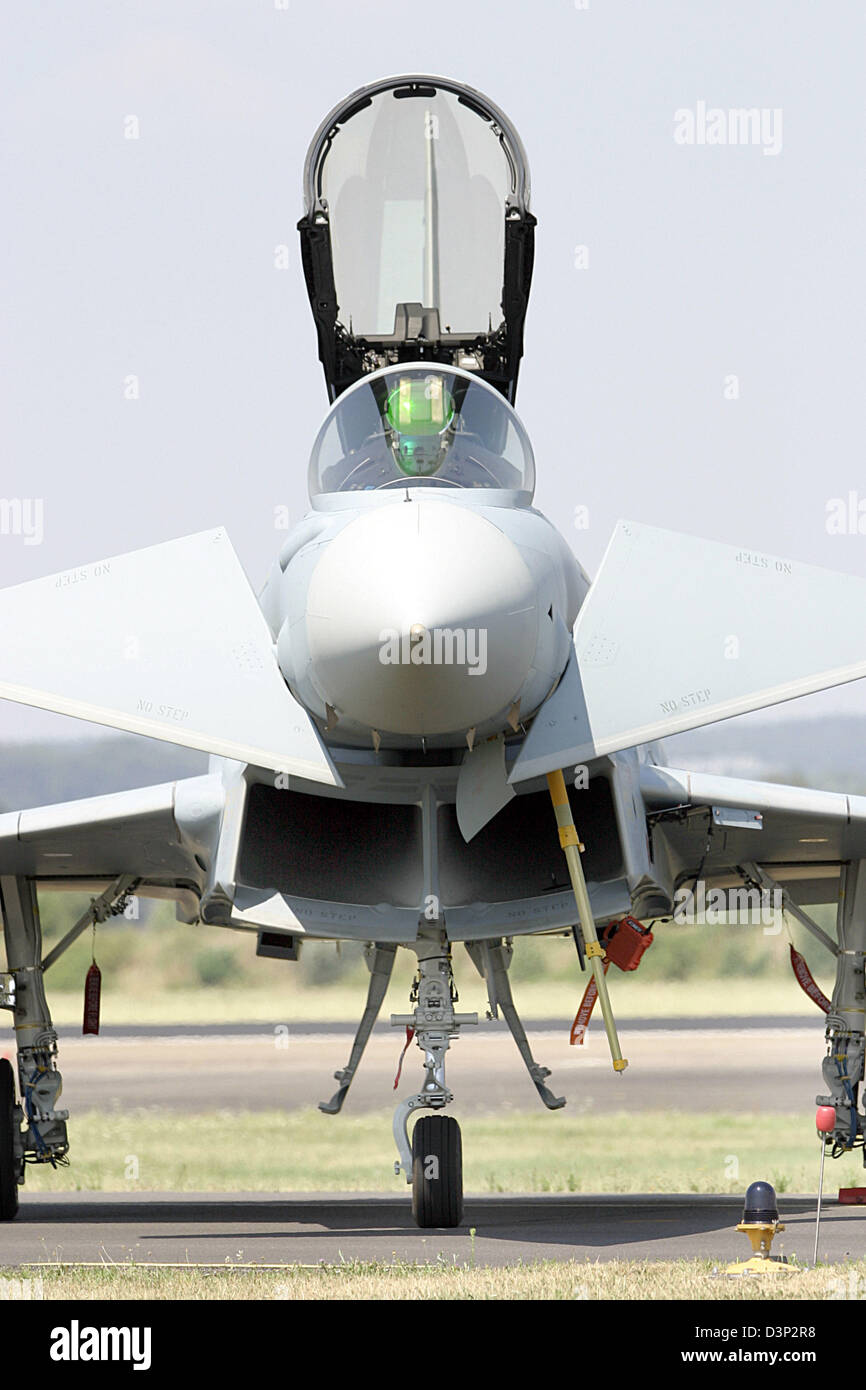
{"x":306,"y":1229}
{"x":723,"y":1023}
{"x":734,"y":1064}
{"x":775,"y":1069}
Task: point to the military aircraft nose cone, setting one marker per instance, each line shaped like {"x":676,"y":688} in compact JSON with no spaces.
{"x":421,"y":619}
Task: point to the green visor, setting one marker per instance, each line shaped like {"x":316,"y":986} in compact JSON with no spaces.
{"x":419,"y":417}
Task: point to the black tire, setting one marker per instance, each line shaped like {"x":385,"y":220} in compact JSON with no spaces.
{"x":8,"y":1145}
{"x":437,"y":1171}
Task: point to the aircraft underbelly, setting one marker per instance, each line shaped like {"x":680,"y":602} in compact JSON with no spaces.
{"x":379,"y":866}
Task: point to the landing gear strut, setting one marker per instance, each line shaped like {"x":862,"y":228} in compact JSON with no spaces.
{"x":843,"y":1067}
{"x":35,"y":1131}
{"x":380,"y":962}
{"x":43,"y":1138}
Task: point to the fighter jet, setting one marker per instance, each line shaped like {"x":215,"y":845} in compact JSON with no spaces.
{"x":431,"y":727}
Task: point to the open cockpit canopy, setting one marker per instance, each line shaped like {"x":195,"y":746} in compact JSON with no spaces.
{"x":417,"y":238}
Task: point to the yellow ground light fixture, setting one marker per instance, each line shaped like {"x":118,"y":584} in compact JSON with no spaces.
{"x":570,"y":842}
{"x":761,"y":1224}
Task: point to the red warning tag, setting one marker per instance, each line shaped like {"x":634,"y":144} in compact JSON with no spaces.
{"x":92,"y":996}
{"x":410,"y":1033}
{"x":584,"y":1013}
{"x":806,"y":983}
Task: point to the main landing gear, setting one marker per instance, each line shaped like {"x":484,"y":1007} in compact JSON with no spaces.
{"x":34,"y":1131}
{"x":11,"y":1157}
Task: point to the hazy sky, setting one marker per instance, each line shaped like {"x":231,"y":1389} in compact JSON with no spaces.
{"x":154,"y":257}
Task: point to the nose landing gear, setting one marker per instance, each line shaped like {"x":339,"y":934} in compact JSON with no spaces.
{"x":432,"y":1160}
{"x":433,"y":1163}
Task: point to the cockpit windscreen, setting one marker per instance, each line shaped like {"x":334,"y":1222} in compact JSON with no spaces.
{"x":421,"y":426}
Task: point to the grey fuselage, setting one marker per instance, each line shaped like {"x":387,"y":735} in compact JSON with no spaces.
{"x":422,"y":615}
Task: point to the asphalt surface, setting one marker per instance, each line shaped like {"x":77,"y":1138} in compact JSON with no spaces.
{"x":754,"y":1070}
{"x":167,"y":1228}
{"x":732,"y":1065}
{"x":728,"y":1023}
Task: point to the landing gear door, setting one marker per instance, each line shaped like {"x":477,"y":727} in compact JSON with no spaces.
{"x":417,"y":238}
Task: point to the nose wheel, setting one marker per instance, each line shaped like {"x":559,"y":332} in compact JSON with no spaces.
{"x":437,"y":1171}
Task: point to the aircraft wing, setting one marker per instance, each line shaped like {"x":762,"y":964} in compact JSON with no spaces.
{"x":677,"y":632}
{"x":163,"y":836}
{"x":701,"y":824}
{"x":168,"y":641}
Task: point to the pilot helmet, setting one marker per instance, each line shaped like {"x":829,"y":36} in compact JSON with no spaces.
{"x":420,"y":421}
